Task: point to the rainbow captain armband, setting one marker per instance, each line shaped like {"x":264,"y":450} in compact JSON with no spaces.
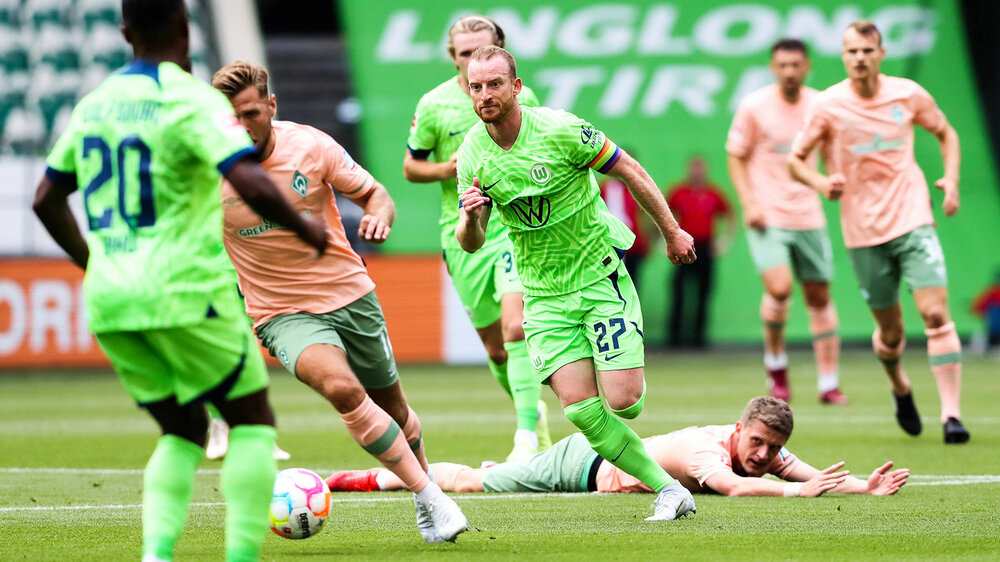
{"x":606,"y":159}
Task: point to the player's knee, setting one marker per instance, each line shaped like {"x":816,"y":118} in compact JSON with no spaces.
{"x":935,"y":317}
{"x":345,"y":393}
{"x":497,"y":355}
{"x":513,"y":330}
{"x":780,"y":293}
{"x":629,"y":405}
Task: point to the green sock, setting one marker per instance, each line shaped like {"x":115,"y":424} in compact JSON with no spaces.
{"x":213,"y":412}
{"x":167,"y":487}
{"x":247,"y":480}
{"x":616,"y":442}
{"x":500,"y":374}
{"x":525,"y":387}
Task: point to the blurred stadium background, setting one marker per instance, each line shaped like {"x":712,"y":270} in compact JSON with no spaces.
{"x":660,"y":77}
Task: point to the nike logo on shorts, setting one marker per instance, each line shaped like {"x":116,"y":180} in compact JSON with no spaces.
{"x":620,"y":452}
{"x":615,"y":356}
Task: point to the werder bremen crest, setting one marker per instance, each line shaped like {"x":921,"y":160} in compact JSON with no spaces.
{"x":299,"y":183}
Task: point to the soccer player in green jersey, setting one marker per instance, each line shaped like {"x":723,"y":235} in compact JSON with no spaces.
{"x":581,"y":312}
{"x":147,"y":147}
{"x":487,"y":282}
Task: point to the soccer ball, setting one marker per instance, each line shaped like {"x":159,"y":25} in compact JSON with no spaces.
{"x":300,"y":503}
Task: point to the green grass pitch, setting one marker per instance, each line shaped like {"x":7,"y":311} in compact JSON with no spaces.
{"x":72,"y":447}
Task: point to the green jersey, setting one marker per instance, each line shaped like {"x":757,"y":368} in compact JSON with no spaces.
{"x":545,"y":192}
{"x":443,"y":116}
{"x":147,"y":147}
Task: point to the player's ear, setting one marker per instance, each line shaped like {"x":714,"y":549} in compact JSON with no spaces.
{"x":272,"y":106}
{"x":517,"y":86}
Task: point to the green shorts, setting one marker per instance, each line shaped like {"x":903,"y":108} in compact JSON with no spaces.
{"x":214,"y":360}
{"x":482,"y":278}
{"x":807,"y":252}
{"x":563,"y":467}
{"x":358,"y":329}
{"x":916,"y":257}
{"x":602,"y":320}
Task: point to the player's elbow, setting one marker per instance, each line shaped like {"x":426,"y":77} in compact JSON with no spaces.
{"x":408,"y":172}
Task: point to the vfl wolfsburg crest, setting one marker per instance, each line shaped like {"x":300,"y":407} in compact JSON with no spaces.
{"x":532,"y":211}
{"x":300,"y":183}
{"x":540,"y":174}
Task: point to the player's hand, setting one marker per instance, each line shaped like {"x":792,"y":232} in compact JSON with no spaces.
{"x":472,"y":200}
{"x":314,"y":234}
{"x":950,"y":188}
{"x":834,"y":186}
{"x":753,"y":217}
{"x":450,"y":168}
{"x":828,"y":479}
{"x":680,"y":248}
{"x":882,"y":482}
{"x":373,"y":229}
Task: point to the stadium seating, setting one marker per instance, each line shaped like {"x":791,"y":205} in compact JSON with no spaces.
{"x":52,"y":52}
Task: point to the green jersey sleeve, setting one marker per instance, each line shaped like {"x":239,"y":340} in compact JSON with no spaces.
{"x":585,"y":145}
{"x":423,"y":130}
{"x":210,"y":129}
{"x":61,"y":161}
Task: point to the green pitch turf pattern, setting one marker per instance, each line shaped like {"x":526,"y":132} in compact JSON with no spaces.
{"x":72,"y":447}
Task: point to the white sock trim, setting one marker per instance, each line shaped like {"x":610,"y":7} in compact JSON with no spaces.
{"x":826,"y":382}
{"x":774,"y":361}
{"x":525,"y":436}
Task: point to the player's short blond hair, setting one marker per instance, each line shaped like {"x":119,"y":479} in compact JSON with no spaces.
{"x":770,"y":411}
{"x":483,"y":54}
{"x":472,"y":24}
{"x":866,"y":28}
{"x":238,"y":76}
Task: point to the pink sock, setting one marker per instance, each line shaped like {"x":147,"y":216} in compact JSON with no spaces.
{"x":944,"y":350}
{"x":378,"y":434}
{"x":413,"y":436}
{"x":823,"y":326}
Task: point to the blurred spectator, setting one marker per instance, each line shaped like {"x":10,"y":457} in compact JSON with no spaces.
{"x":625,"y":208}
{"x":697,"y":203}
{"x":987,"y":305}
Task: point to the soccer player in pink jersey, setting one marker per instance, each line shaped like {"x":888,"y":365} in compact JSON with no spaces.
{"x":786,"y":227}
{"x":865,"y":124}
{"x":723,"y":459}
{"x":321,"y":318}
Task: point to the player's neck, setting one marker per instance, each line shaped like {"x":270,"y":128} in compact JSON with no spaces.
{"x":158,"y":54}
{"x":866,"y":87}
{"x":268,"y":147}
{"x":505,"y":131}
{"x":791,"y":97}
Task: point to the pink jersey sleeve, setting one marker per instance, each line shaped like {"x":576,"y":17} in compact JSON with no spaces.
{"x":926,"y":112}
{"x":784,"y":461}
{"x":815,"y":128}
{"x":740,"y":140}
{"x":342,"y":172}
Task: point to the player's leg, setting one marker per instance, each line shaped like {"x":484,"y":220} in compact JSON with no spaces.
{"x":812,"y":260}
{"x":773,"y":314}
{"x":532,"y":431}
{"x":704,"y":273}
{"x":451,"y":477}
{"x":675,"y":321}
{"x":169,"y":475}
{"x":227,"y":370}
{"x":770,"y":250}
{"x":564,"y":467}
{"x":923,"y":266}
{"x":878,"y":274}
{"x":823,"y":326}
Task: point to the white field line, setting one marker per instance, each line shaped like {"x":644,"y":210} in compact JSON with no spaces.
{"x":381,"y":499}
{"x":916,"y":480}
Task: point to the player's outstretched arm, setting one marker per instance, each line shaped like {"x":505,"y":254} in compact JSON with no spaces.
{"x":680,"y":244}
{"x":882,"y":482}
{"x":422,"y":170}
{"x":730,"y":484}
{"x":258,"y":191}
{"x":473,"y":216}
{"x":52,"y":208}
{"x":753,"y":217}
{"x":380,"y":212}
{"x":951,"y":155}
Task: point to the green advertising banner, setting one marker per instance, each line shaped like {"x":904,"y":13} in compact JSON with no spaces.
{"x":663,"y":79}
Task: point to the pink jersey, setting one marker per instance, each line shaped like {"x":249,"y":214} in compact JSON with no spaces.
{"x":762,"y":132}
{"x":278,"y":273}
{"x":871,"y":142}
{"x":690,"y":455}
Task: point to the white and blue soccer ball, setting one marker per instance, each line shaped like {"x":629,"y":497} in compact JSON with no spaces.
{"x":300,"y":503}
